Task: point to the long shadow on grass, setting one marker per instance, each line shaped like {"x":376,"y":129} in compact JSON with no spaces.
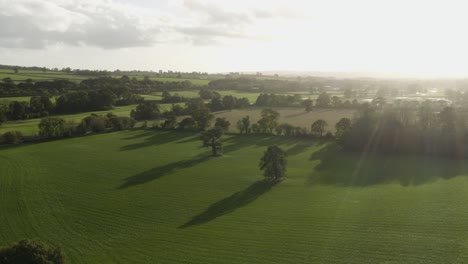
{"x":160,"y":171}
{"x":231,"y":203}
{"x":155,"y":138}
{"x":343,"y":168}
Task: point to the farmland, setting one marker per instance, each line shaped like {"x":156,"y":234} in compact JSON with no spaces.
{"x":156,"y":197}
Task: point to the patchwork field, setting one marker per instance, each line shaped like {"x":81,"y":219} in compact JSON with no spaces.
{"x":157,"y":197}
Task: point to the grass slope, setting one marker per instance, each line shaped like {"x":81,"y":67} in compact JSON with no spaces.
{"x":156,"y":197}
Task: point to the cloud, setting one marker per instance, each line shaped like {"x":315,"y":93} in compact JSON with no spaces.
{"x":37,"y":23}
{"x":108,"y":24}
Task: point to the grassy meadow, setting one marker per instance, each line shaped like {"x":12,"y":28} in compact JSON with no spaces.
{"x":145,"y":196}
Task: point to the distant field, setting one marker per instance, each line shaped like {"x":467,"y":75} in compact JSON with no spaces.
{"x":157,"y":197}
{"x":291,"y":115}
{"x":161,"y":79}
{"x":5,"y":100}
{"x":23,"y":75}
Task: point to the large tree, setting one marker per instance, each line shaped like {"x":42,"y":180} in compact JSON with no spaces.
{"x":323,"y":100}
{"x":343,"y":127}
{"x":244,"y":125}
{"x":273,"y":163}
{"x":269,"y":120}
{"x":318,"y":128}
{"x":212,"y":138}
{"x":223,"y":123}
{"x":202,"y":117}
{"x":146,"y":111}
{"x":52,"y":127}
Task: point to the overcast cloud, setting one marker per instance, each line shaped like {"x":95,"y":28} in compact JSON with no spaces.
{"x":36,"y":24}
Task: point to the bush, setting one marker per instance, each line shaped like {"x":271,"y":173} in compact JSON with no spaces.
{"x":12,"y":137}
{"x":122,"y":123}
{"x":52,"y":127}
{"x":31,"y":252}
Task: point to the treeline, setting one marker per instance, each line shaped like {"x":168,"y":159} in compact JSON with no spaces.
{"x":71,"y":102}
{"x":413,"y":129}
{"x":55,"y":128}
{"x":56,"y":87}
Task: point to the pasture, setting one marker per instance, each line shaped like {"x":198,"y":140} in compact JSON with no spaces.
{"x":144,"y":196}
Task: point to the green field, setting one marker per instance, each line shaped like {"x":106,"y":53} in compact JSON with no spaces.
{"x":23,"y":75}
{"x":156,"y":197}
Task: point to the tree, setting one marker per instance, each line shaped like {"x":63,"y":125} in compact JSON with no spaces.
{"x":273,"y":164}
{"x":308,"y":104}
{"x":343,"y":127}
{"x":171,"y":121}
{"x":229,"y":102}
{"x":212,"y":138}
{"x":269,"y":120}
{"x":146,"y":111}
{"x":12,"y":137}
{"x":187,"y":123}
{"x":244,"y":125}
{"x":52,"y":127}
{"x":34,"y":252}
{"x":202,"y":117}
{"x":3,"y":112}
{"x":223,"y":123}
{"x":15,"y":70}
{"x":318,"y":127}
{"x":323,"y":100}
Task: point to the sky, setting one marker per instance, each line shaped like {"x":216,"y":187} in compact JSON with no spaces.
{"x":403,"y":37}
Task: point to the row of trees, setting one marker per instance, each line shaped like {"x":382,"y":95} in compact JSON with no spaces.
{"x":55,"y":127}
{"x":404,"y":130}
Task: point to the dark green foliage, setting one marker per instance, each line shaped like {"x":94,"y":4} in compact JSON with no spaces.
{"x":269,"y":121}
{"x":41,"y":105}
{"x":323,"y":100}
{"x":187,"y":123}
{"x":170,"y":122}
{"x":212,"y":138}
{"x":94,"y":124}
{"x":3,"y":112}
{"x":271,"y":100}
{"x":122,"y":123}
{"x":308,"y":105}
{"x":202,"y":117}
{"x":273,"y":163}
{"x":244,"y":125}
{"x":52,"y":127}
{"x":167,"y":98}
{"x":12,"y":137}
{"x":148,"y":110}
{"x":31,"y":252}
{"x":223,"y":123}
{"x":318,"y":128}
{"x":342,"y":127}
{"x":17,"y":111}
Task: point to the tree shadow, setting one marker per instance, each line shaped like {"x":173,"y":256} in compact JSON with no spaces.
{"x":238,"y":142}
{"x":158,"y":172}
{"x":155,"y":138}
{"x":231,"y":203}
{"x":343,"y":168}
{"x":300,"y":147}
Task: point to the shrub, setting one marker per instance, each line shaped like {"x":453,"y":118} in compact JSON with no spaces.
{"x":52,"y":127}
{"x":12,"y":137}
{"x":34,"y":252}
